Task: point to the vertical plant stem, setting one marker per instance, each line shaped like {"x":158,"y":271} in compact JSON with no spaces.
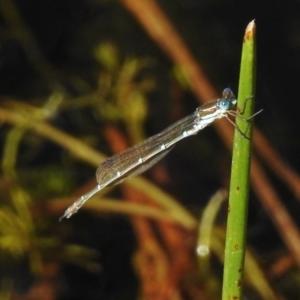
{"x":240,"y":174}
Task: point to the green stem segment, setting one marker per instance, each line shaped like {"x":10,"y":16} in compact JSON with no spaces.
{"x":240,"y":174}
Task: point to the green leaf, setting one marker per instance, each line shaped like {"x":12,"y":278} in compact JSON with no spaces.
{"x":240,"y":173}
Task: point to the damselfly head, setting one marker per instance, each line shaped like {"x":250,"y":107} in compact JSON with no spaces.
{"x":229,"y":95}
{"x":224,"y":104}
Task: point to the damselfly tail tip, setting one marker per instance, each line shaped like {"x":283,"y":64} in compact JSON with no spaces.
{"x":63,"y":216}
{"x":71,"y":210}
{"x":68,"y":213}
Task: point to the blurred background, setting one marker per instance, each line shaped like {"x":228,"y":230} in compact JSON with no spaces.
{"x":81,"y":80}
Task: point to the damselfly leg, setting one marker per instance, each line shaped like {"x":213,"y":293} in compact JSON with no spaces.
{"x":238,"y":114}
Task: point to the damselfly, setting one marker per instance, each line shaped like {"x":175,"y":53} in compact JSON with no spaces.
{"x":139,"y":158}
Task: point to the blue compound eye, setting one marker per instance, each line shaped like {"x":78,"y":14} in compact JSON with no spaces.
{"x":224,"y":104}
